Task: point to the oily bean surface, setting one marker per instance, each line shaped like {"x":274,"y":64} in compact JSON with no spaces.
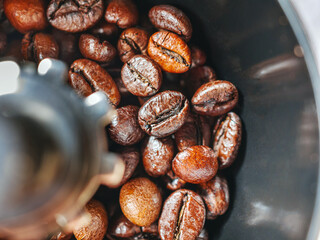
{"x":140,"y":201}
{"x":95,"y":49}
{"x":227,"y":139}
{"x":124,"y":128}
{"x":124,"y":13}
{"x":170,"y":18}
{"x":132,"y":41}
{"x":105,"y":30}
{"x":62,"y":236}
{"x":157,"y":154}
{"x":198,"y":57}
{"x":74,"y":15}
{"x":26,"y":15}
{"x":141,"y":76}
{"x":86,"y":77}
{"x":164,"y":113}
{"x":196,"y":164}
{"x":172,"y":181}
{"x":38,"y":46}
{"x":215,"y":98}
{"x":121,"y":227}
{"x":183,"y":216}
{"x":170,"y":52}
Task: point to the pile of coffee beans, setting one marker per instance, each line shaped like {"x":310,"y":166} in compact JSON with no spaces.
{"x":174,"y":127}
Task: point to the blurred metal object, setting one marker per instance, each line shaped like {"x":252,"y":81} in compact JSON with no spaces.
{"x":52,"y":149}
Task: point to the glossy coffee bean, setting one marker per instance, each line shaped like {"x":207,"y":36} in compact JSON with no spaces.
{"x":157,"y":154}
{"x":140,"y":201}
{"x":183,"y":216}
{"x":141,"y":76}
{"x":170,"y":18}
{"x":196,"y":164}
{"x":61,"y":236}
{"x":26,"y":15}
{"x":74,"y":15}
{"x":124,"y":13}
{"x":68,"y":45}
{"x":105,"y":30}
{"x":121,"y":227}
{"x":38,"y":46}
{"x":172,"y":181}
{"x":198,"y":57}
{"x":170,"y":52}
{"x":86,"y":77}
{"x":132,"y":41}
{"x":3,"y":43}
{"x":96,"y":49}
{"x":164,"y":113}
{"x":124,"y":128}
{"x":227,"y":139}
{"x":215,"y":98}
{"x":97,"y":227}
{"x":215,"y":194}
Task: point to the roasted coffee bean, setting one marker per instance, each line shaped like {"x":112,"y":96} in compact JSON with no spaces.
{"x":27,"y":15}
{"x":227,"y":139}
{"x":61,"y":236}
{"x":121,"y":227}
{"x":183,"y":216}
{"x":196,"y":77}
{"x":38,"y":46}
{"x":172,"y":181}
{"x":3,"y":43}
{"x":105,"y":30}
{"x":68,"y":45}
{"x":141,"y":76}
{"x":140,"y":201}
{"x":122,"y":88}
{"x":74,"y":15}
{"x":132,"y":41}
{"x":196,"y":164}
{"x":96,"y":49}
{"x":124,"y":13}
{"x":198,"y":57}
{"x":124,"y":128}
{"x":170,"y":52}
{"x":215,"y":194}
{"x":164,"y":113}
{"x":86,"y":77}
{"x":215,"y":98}
{"x":157,"y":154}
{"x":172,"y":19}
{"x":131,"y":158}
{"x":204,"y":235}
{"x":97,"y":227}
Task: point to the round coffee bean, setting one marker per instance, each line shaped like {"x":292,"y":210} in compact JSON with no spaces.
{"x":157,"y":154}
{"x":95,"y":49}
{"x":124,"y":128}
{"x":26,"y":15}
{"x":227,"y":139}
{"x":215,"y":194}
{"x":215,"y":98}
{"x":183,"y":216}
{"x":164,"y":113}
{"x":196,"y":164}
{"x":198,"y":57}
{"x":3,"y":43}
{"x":74,"y":15}
{"x":172,"y":19}
{"x":170,"y":52}
{"x":86,"y":77}
{"x":38,"y":46}
{"x":121,"y":227}
{"x":140,"y":201}
{"x":132,"y":41}
{"x":173,"y":182}
{"x":61,"y":236}
{"x":124,"y":13}
{"x":141,"y":76}
{"x":97,"y":227}
{"x":105,"y":30}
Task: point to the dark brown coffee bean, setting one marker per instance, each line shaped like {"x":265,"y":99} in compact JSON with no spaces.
{"x":215,"y":98}
{"x":96,"y":49}
{"x":196,"y":164}
{"x":215,"y":194}
{"x":86,"y":77}
{"x":157,"y":154}
{"x":198,"y":57}
{"x":38,"y":46}
{"x":97,"y":227}
{"x":3,"y":43}
{"x":26,"y":15}
{"x":62,"y":236}
{"x":170,"y":52}
{"x":151,"y":230}
{"x":105,"y":30}
{"x":74,"y":15}
{"x":172,"y":19}
{"x":173,"y":182}
{"x":204,"y":235}
{"x":164,"y":113}
{"x":124,"y":128}
{"x":141,"y":76}
{"x":183,"y":216}
{"x":140,"y":201}
{"x":122,"y":88}
{"x":227,"y":139}
{"x":121,"y":227}
{"x":124,"y":13}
